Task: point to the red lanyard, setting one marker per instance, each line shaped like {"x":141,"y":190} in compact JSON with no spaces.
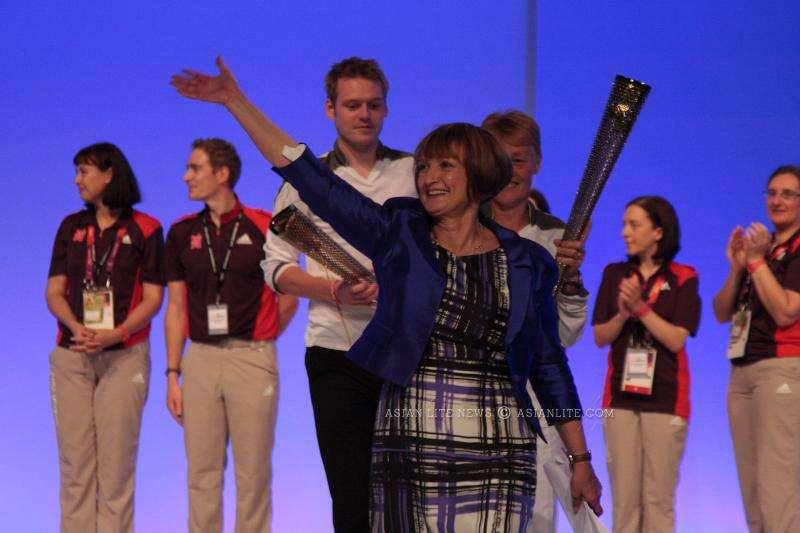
{"x":778,"y":251}
{"x":107,"y":260}
{"x":655,"y":290}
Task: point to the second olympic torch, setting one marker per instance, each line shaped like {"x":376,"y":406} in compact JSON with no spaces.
{"x":624,"y":104}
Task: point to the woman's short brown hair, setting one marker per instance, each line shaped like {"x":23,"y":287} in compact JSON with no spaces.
{"x":486,"y":163}
{"x":662,"y":215}
{"x":516,"y":128}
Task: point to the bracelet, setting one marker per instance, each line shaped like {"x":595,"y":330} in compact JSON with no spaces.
{"x":125,"y":333}
{"x":176,"y":371}
{"x":752,"y":266}
{"x":574,"y":287}
{"x":579,"y":457}
{"x":334,"y":296}
{"x":642,"y":311}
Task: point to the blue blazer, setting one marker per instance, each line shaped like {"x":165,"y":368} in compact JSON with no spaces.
{"x":396,"y":237}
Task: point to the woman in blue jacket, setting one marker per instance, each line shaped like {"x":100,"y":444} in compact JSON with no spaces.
{"x":465,"y":316}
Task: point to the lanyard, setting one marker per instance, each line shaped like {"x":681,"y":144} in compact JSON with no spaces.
{"x":108,"y":258}
{"x":655,"y":290}
{"x":220,"y":274}
{"x":779,"y":251}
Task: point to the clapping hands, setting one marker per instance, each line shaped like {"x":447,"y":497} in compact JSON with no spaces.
{"x":629,"y":299}
{"x":756,"y":241}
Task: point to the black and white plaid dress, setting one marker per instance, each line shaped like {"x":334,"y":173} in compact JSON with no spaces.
{"x":449,"y":451}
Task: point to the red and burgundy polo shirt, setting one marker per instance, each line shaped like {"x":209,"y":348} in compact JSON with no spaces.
{"x":138,"y":261}
{"x":252,"y":306}
{"x":765,"y":339}
{"x":677,"y":302}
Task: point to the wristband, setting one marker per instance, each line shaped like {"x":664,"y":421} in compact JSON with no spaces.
{"x":579,"y":458}
{"x":642,"y":312}
{"x":125,"y":333}
{"x":752,"y":266}
{"x":176,"y":371}
{"x":334,"y":296}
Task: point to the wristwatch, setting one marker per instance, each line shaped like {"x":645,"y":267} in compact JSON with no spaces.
{"x":176,"y":371}
{"x":579,"y":458}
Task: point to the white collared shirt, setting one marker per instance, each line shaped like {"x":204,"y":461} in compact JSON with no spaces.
{"x":391,"y":177}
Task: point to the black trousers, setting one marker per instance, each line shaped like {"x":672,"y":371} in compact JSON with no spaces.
{"x":344,"y":397}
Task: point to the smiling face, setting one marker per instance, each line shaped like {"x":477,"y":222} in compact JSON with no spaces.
{"x":784,"y":213}
{"x":443,"y":186}
{"x":640,"y":235}
{"x":200,"y":177}
{"x":92,"y":182}
{"x":358,"y":112}
{"x":524,"y":167}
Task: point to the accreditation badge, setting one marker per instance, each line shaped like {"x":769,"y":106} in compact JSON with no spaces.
{"x":217,"y":319}
{"x":98,"y":308}
{"x":740,"y":331}
{"x":639,"y":369}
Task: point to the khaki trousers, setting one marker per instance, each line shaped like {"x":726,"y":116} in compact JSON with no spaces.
{"x":764,"y":414}
{"x":230,"y":390}
{"x":97,"y":406}
{"x":643,"y":454}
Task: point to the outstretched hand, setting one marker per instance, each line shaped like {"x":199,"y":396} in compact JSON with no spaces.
{"x":220,"y":89}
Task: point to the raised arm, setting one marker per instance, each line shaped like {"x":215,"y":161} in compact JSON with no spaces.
{"x":224,"y":89}
{"x":359,"y":220}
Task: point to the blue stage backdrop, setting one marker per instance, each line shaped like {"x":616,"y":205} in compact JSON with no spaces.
{"x":722,"y":114}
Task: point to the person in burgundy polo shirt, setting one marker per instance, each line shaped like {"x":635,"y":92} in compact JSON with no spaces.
{"x":761,"y":296}
{"x":646,"y":307}
{"x":104,"y":286}
{"x":218,"y":298}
